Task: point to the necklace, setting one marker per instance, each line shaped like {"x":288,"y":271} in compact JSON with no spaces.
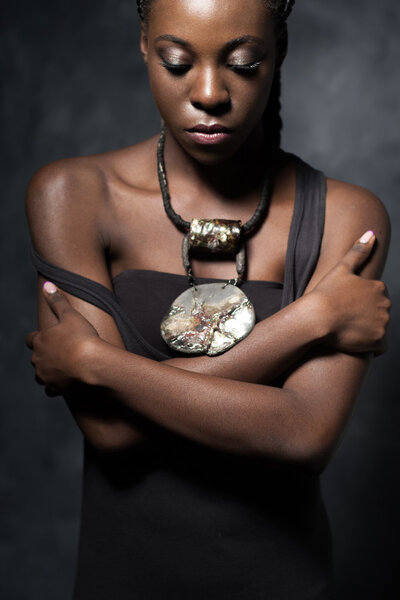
{"x":210,"y":318}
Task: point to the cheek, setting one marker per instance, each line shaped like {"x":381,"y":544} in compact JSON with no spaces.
{"x":252,"y":98}
{"x":167,"y":92}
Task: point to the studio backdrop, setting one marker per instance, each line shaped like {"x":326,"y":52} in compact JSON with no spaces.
{"x":74,"y":83}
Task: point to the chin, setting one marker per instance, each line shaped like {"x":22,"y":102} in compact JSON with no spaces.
{"x":211,"y":155}
{"x":211,"y":160}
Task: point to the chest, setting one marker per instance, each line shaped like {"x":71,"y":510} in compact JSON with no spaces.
{"x":141,"y":236}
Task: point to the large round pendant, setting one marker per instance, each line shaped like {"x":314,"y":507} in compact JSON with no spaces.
{"x":208,"y":319}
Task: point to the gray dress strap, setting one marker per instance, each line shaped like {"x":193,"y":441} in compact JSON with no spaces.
{"x":100,"y":296}
{"x":306,"y":231}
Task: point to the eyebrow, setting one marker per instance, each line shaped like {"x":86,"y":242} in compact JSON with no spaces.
{"x":173,"y":38}
{"x":243,"y":39}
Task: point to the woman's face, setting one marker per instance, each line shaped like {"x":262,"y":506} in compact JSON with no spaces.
{"x":211,"y":65}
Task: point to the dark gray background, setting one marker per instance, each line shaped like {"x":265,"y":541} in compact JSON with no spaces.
{"x":74,"y":84}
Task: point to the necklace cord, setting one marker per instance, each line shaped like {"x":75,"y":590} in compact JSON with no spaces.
{"x":249,"y":227}
{"x":162,"y":178}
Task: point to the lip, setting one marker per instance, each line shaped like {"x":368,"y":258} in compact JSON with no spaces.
{"x":209,"y":134}
{"x":212,"y":128}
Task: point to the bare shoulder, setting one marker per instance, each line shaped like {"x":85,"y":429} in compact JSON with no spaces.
{"x":69,"y":202}
{"x":352,"y":210}
{"x":357,"y":206}
{"x":81,"y":188}
{"x":63,"y":183}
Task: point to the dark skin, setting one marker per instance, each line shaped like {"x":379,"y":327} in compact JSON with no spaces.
{"x":80,"y":208}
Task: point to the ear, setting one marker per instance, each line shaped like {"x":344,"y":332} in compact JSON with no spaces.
{"x":144,"y":45}
{"x":281,"y":46}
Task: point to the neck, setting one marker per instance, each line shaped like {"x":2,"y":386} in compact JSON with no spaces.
{"x":231,"y":179}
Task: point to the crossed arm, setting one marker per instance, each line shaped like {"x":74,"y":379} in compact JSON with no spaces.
{"x":226,"y":402}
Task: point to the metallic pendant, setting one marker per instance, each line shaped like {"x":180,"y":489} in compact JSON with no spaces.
{"x":215,"y":235}
{"x":208,"y":319}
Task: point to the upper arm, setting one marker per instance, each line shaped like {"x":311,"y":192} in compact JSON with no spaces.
{"x":350,"y":212}
{"x":327,"y":382}
{"x":66,"y":205}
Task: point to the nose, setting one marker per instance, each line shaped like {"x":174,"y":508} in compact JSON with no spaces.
{"x":209,"y":92}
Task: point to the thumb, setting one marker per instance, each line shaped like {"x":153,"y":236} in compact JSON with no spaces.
{"x":55,"y":299}
{"x":359,"y":252}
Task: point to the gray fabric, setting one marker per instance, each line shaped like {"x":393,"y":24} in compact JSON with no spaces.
{"x":306,"y":231}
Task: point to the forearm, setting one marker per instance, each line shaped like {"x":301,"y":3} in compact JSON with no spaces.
{"x":273,"y":346}
{"x":229,"y":415}
{"x":223,"y":421}
{"x":105,"y":423}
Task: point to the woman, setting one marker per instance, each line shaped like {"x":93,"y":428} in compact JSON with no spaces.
{"x":201,"y":471}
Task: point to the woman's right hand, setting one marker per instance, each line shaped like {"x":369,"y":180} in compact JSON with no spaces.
{"x":356,"y":309}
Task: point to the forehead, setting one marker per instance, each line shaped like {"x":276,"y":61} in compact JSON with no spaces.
{"x":211,"y":21}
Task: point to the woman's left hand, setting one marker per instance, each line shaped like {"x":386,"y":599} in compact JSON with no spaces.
{"x":58,"y":350}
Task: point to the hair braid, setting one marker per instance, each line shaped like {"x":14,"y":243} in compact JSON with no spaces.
{"x":284,"y":9}
{"x":272,"y":120}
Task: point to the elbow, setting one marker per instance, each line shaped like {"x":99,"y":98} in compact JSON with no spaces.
{"x":304,"y":439}
{"x":104,"y":445}
{"x":110,"y":439}
{"x":313,"y":452}
{"x":315,"y":462}
{"x":306,"y":449}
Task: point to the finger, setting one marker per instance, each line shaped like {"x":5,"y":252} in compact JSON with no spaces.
{"x":386,"y":293}
{"x":56,"y":300}
{"x":382,"y":346}
{"x":359,"y":252}
{"x":30,"y":339}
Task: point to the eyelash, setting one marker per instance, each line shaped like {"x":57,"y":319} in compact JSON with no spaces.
{"x":175,"y":69}
{"x":250,"y":67}
{"x":241,"y":69}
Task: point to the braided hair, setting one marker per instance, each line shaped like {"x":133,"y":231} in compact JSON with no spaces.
{"x":272,"y":121}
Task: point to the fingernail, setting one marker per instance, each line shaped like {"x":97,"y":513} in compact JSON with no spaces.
{"x":49,"y":287}
{"x":368,"y":235}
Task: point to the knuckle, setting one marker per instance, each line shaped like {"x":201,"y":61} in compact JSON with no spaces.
{"x":360,"y":248}
{"x":381,"y":333}
{"x":343,"y":266}
{"x":378,"y":335}
{"x":59,"y":299}
{"x":386,"y":304}
{"x":30,"y":339}
{"x":380,"y":286}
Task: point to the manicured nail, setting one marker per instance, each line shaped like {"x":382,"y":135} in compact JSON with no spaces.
{"x":49,"y":287}
{"x":368,"y":235}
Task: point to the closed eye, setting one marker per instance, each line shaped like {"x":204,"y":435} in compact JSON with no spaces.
{"x":246,"y":69}
{"x":181,"y":69}
{"x":175,"y":69}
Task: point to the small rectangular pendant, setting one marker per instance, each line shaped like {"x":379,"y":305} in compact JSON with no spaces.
{"x":215,"y":235}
